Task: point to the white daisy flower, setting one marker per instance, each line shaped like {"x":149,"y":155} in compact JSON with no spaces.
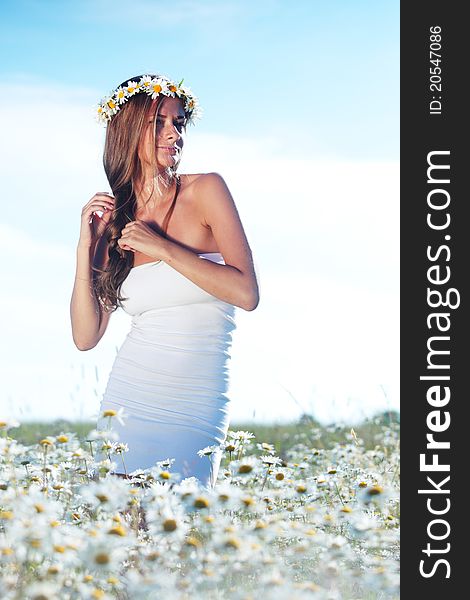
{"x":120,"y":447}
{"x":165,"y":464}
{"x":158,"y":86}
{"x":131,"y":88}
{"x":120,"y":95}
{"x":189,"y":104}
{"x":183,"y":91}
{"x":172,"y":88}
{"x":248,"y":464}
{"x":111,"y":106}
{"x":7,"y":423}
{"x":242,"y":436}
{"x":197,"y":113}
{"x":102,"y":555}
{"x":102,"y":115}
{"x":111,"y":413}
{"x":208,"y":450}
{"x":101,"y":434}
{"x":145,"y":82}
{"x":270,"y":460}
{"x":110,"y":493}
{"x":265,"y":447}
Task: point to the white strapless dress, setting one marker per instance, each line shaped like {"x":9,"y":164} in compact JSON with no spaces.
{"x":171,"y":373}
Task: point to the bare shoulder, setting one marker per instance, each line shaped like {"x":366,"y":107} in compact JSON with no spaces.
{"x":190,"y":178}
{"x":209,"y":180}
{"x":203,"y":181}
{"x":212,"y":194}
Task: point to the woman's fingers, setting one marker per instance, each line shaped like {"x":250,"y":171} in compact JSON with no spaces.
{"x":97,"y":206}
{"x":123,"y":245}
{"x":103,"y":199}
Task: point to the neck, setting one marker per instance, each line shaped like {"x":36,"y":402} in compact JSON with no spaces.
{"x":160,"y":182}
{"x":155,"y":189}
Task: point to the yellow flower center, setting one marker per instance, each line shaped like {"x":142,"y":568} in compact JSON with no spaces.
{"x":102,"y":558}
{"x":157,"y":88}
{"x":192,"y":541}
{"x":169,"y":525}
{"x":201,"y":503}
{"x":118,"y":530}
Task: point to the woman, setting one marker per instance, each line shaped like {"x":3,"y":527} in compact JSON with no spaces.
{"x":169,"y":249}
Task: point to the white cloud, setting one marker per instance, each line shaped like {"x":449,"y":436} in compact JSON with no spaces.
{"x":325,"y":237}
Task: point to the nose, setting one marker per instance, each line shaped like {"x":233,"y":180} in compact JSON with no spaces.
{"x":170,"y":133}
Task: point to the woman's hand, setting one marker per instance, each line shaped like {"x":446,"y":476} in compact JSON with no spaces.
{"x":138,"y":236}
{"x":92,"y":225}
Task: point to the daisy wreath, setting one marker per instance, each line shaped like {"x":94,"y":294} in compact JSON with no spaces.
{"x":153,"y":86}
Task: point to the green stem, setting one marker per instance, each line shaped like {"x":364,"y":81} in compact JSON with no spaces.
{"x":265,"y":479}
{"x":124,"y":464}
{"x":338,"y":492}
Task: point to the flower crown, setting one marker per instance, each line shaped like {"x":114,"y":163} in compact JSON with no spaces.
{"x":153,"y":86}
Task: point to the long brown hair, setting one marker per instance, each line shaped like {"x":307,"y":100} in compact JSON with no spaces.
{"x":123,"y":168}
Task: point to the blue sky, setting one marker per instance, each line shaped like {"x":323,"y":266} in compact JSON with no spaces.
{"x":301,"y":118}
{"x":323,"y":75}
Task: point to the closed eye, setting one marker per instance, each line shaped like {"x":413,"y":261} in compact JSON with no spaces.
{"x":175,"y":122}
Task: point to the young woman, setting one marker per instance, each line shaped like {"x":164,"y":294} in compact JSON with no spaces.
{"x":169,"y":249}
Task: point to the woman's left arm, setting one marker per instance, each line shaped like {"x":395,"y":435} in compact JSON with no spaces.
{"x":235,"y":282}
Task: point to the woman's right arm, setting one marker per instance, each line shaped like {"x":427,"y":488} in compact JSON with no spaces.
{"x":89,"y":319}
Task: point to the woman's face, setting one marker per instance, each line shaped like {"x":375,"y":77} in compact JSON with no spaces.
{"x":169,"y":133}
